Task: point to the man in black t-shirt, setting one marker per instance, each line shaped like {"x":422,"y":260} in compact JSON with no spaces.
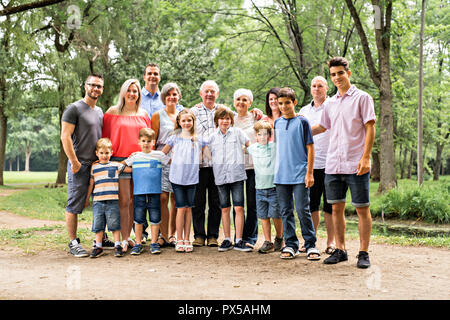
{"x":81,"y":127}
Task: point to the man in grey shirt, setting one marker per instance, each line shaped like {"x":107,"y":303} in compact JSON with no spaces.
{"x":81,"y":127}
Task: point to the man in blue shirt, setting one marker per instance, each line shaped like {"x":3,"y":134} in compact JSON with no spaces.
{"x":151,"y":100}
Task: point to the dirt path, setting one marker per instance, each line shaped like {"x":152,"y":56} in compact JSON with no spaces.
{"x":397,"y":272}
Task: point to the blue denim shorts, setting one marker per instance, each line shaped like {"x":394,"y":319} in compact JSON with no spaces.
{"x":105,"y":213}
{"x":336,"y":186}
{"x":237,"y":193}
{"x":267,"y":204}
{"x":77,"y":187}
{"x":184,"y":195}
{"x":150,"y":203}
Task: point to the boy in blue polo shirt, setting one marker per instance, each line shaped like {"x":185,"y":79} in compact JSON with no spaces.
{"x":147,"y":169}
{"x":294,"y":174}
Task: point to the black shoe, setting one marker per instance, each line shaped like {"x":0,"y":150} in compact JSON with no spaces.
{"x":106,"y":243}
{"x":97,"y":252}
{"x":363,"y":260}
{"x":337,"y":256}
{"x":118,"y":251}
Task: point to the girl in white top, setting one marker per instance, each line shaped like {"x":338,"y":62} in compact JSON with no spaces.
{"x":184,"y":173}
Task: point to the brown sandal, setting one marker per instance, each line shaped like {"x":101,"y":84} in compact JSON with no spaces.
{"x":329,"y":250}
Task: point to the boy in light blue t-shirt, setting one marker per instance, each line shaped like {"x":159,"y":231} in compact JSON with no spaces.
{"x":147,"y":170}
{"x":264,"y":154}
{"x":294,"y":174}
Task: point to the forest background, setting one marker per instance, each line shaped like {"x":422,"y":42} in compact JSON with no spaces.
{"x":47,"y":49}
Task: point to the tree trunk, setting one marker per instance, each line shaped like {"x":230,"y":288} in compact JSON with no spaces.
{"x":375,"y":170}
{"x":27,"y":159}
{"x":411,"y":163}
{"x":62,"y":158}
{"x":438,"y":161}
{"x":403,"y":164}
{"x":387,"y":157}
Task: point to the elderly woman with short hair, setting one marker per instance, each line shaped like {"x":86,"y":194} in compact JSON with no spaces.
{"x":245,"y":120}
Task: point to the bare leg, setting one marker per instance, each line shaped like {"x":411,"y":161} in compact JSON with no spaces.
{"x":278,"y":224}
{"x":239,"y":220}
{"x":125,"y":202}
{"x":266,"y":229}
{"x":339,"y":224}
{"x":180,"y":221}
{"x":72,"y":225}
{"x":226,"y":222}
{"x":172,"y":217}
{"x":330,"y":228}
{"x":99,"y":236}
{"x":364,"y":227}
{"x":316,"y":220}
{"x":164,"y":226}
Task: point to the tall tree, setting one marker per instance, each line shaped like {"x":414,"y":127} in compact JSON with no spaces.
{"x":381,"y":77}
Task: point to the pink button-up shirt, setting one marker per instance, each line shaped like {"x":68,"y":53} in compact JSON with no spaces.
{"x":345,"y":117}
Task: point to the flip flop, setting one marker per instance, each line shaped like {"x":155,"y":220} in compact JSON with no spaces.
{"x":180,"y":247}
{"x":330,"y":249}
{"x":288,"y":250}
{"x":311,"y":252}
{"x":302,"y":249}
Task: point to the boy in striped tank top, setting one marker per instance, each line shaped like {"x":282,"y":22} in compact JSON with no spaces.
{"x":104,"y":187}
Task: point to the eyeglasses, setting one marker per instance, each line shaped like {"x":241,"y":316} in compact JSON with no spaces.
{"x":97,"y":86}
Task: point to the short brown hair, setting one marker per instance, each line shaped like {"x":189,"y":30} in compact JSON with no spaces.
{"x":152,"y":64}
{"x":263,"y":125}
{"x":287,"y":92}
{"x":223,"y":112}
{"x":147,"y":132}
{"x":338,"y":61}
{"x":103,"y":143}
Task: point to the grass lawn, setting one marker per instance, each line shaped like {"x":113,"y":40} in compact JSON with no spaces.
{"x":47,"y":203}
{"x":22,"y":177}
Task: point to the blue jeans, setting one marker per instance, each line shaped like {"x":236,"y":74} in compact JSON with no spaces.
{"x":267,"y":204}
{"x":105,"y":213}
{"x":144,"y":203}
{"x":237,"y":193}
{"x":184,"y":195}
{"x":286,"y":202}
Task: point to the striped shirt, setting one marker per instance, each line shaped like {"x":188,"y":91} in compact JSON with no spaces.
{"x":106,"y":180}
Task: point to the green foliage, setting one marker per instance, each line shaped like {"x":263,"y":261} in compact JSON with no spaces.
{"x":424,"y":203}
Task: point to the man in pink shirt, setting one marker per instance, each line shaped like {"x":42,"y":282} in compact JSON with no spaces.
{"x":350,"y":118}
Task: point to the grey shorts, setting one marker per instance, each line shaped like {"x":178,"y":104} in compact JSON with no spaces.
{"x":166,"y":186}
{"x":77,"y":187}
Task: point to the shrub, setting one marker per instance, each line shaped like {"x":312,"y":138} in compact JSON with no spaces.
{"x":426,"y":203}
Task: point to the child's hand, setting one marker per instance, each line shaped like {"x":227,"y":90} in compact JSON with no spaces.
{"x":309,"y":180}
{"x":86,"y":204}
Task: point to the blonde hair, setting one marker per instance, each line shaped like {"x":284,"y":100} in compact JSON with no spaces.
{"x":147,"y":132}
{"x":103,"y":143}
{"x":263,"y":125}
{"x":177,"y":127}
{"x":123,"y":91}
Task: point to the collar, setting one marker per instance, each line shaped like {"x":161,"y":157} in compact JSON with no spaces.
{"x":213,"y":109}
{"x":321,"y":106}
{"x":349,"y":92}
{"x":145,"y":92}
{"x":228,"y":131}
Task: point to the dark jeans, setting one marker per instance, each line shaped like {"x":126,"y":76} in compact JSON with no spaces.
{"x":206,"y":183}
{"x":250,"y":233}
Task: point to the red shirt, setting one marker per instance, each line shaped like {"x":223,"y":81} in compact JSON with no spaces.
{"x":123,"y":131}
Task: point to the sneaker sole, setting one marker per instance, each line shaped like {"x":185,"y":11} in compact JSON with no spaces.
{"x":242,"y":250}
{"x":99,"y":255}
{"x":225,"y":249}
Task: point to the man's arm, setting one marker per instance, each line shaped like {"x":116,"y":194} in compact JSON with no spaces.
{"x":317,"y":129}
{"x":364,"y":163}
{"x":309,"y":177}
{"x":67,"y":130}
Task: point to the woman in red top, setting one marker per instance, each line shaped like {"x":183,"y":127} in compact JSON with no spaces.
{"x":121,"y":124}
